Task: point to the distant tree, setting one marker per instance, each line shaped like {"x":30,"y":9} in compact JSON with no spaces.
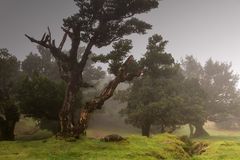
{"x":49,"y":64}
{"x":150,"y":105}
{"x":32,"y":64}
{"x":196,"y":97}
{"x":9,"y":114}
{"x":42,"y":63}
{"x":191,"y":68}
{"x":152,"y":98}
{"x":194,"y":106}
{"x":219,"y":84}
{"x":98,"y":23}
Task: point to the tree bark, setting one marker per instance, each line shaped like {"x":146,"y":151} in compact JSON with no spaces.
{"x":71,"y":71}
{"x":66,"y":112}
{"x":200,"y":131}
{"x":146,"y":130}
{"x":97,"y":102}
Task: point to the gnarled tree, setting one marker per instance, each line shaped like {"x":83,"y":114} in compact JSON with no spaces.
{"x":98,"y":23}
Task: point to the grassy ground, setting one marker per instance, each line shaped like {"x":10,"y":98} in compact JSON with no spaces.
{"x":222,"y":144}
{"x":136,"y":147}
{"x":31,"y":145}
{"x":221,"y":148}
{"x":158,"y":147}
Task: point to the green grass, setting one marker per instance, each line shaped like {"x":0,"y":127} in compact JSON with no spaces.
{"x":222,"y":145}
{"x":221,"y":148}
{"x":158,"y":147}
{"x":136,"y":147}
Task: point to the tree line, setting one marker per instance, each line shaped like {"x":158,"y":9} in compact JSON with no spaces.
{"x":166,"y":96}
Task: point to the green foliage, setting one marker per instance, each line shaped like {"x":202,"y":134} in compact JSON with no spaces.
{"x":156,"y":61}
{"x":194,"y":107}
{"x":32,"y":64}
{"x":116,"y":57}
{"x":107,"y":21}
{"x":191,"y":68}
{"x":220,"y":83}
{"x":9,"y":113}
{"x":43,"y":64}
{"x":42,"y":92}
{"x":153,"y":99}
{"x":9,"y":70}
{"x":40,"y":97}
{"x":163,"y":96}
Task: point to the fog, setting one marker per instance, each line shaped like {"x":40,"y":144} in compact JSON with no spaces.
{"x":202,"y":28}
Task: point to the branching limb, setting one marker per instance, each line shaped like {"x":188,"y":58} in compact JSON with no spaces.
{"x":97,"y":102}
{"x":68,"y":32}
{"x":47,"y":42}
{"x":63,"y":40}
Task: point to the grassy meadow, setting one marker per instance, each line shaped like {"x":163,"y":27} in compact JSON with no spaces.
{"x":42,"y":145}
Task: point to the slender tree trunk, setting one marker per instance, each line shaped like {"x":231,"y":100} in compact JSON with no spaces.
{"x":146,"y":130}
{"x":2,"y":128}
{"x":191,"y":129}
{"x":200,"y":131}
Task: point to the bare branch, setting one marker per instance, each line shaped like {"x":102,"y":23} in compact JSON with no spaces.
{"x":43,"y":37}
{"x":42,"y":42}
{"x":85,"y":56}
{"x":63,"y":41}
{"x":69,"y":33}
{"x":47,"y":43}
{"x":49,"y":33}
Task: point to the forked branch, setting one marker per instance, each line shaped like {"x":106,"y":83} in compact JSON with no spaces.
{"x":47,"y":42}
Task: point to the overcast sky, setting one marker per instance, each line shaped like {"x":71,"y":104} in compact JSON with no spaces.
{"x":203,"y":28}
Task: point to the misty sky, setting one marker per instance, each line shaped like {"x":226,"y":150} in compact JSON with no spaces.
{"x":203,"y":28}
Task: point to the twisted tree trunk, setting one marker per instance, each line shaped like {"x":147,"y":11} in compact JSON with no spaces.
{"x":97,"y":102}
{"x":71,"y":71}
